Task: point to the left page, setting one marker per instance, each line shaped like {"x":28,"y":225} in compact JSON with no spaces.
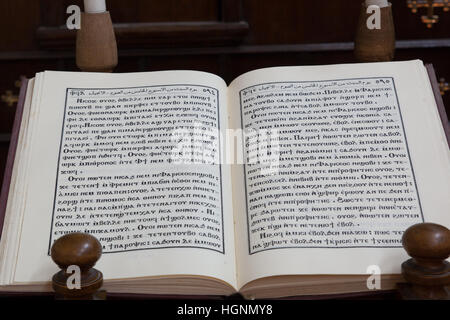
{"x":106,"y":160}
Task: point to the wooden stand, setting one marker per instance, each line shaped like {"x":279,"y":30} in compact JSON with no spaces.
{"x":427,"y":273}
{"x":82,"y":250}
{"x":377,"y":44}
{"x":96,"y":43}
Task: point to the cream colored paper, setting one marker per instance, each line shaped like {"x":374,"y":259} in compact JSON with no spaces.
{"x":429,"y":155}
{"x":428,"y":148}
{"x":35,"y":240}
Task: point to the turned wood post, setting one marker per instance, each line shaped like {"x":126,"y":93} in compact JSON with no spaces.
{"x":375,"y":45}
{"x":427,"y":273}
{"x":82,"y":250}
{"x":96,"y":49}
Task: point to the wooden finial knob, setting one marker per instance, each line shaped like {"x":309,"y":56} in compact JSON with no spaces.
{"x":428,"y":272}
{"x":81,"y":250}
{"x":427,"y":243}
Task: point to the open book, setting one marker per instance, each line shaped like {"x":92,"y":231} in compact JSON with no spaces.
{"x":289,"y":181}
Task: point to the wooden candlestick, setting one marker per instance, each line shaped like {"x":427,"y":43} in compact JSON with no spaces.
{"x":374,"y":45}
{"x":96,"y":43}
{"x":428,"y":272}
{"x":82,"y":250}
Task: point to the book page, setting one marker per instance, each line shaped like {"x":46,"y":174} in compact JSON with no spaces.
{"x":352,"y":171}
{"x":109,"y":160}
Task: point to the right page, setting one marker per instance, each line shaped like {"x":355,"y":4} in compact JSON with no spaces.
{"x":361,"y":154}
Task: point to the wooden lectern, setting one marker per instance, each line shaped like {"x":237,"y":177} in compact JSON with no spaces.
{"x":427,"y":273}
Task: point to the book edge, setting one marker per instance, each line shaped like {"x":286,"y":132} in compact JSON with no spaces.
{"x":12,"y":153}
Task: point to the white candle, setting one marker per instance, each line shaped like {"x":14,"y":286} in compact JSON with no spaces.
{"x":94,"y":6}
{"x":380,"y":3}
